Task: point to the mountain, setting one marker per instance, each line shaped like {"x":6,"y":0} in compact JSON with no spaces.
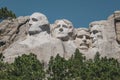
{"x":34,"y":34}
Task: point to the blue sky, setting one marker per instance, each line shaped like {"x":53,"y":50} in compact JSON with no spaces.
{"x":79,"y":12}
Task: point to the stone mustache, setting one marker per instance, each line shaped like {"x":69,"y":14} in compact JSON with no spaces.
{"x":46,"y":40}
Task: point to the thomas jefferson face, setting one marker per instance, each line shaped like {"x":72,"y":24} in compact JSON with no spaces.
{"x":62,"y":30}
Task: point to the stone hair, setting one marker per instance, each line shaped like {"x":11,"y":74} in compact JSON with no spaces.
{"x":102,"y":22}
{"x":69,"y":23}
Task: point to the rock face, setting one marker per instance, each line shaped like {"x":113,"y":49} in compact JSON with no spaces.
{"x":12,"y":30}
{"x":36,"y":35}
{"x":117,"y":25}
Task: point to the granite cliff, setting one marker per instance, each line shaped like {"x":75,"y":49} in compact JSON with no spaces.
{"x":34,"y":34}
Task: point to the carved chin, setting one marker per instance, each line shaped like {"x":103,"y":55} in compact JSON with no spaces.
{"x":61,"y":35}
{"x":66,"y":38}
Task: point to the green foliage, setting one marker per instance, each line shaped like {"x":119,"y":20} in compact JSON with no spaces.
{"x":97,"y":57}
{"x":1,"y":56}
{"x":103,"y":69}
{"x":5,"y":13}
{"x":61,"y":69}
{"x":78,"y":68}
{"x":5,"y":68}
{"x":57,"y":69}
{"x":75,"y":65}
{"x":27,"y":67}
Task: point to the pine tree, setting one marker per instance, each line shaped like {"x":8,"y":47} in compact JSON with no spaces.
{"x":5,"y":68}
{"x":5,"y":13}
{"x":57,"y":69}
{"x":77,"y":63}
{"x":27,"y":67}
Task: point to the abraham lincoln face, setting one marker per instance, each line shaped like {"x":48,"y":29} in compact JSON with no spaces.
{"x":96,"y":34}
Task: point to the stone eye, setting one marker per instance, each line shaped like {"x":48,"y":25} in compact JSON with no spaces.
{"x":87,"y":37}
{"x":80,"y":36}
{"x":64,"y":26}
{"x":90,"y":32}
{"x":34,"y":19}
{"x":57,"y":26}
{"x":95,"y":31}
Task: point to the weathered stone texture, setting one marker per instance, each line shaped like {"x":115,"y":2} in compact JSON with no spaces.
{"x":36,"y":35}
{"x":10,"y":30}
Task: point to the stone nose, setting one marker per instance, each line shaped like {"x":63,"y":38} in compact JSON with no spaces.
{"x":84,"y":39}
{"x":61,"y":29}
{"x":92,"y":38}
{"x":30,"y":24}
{"x":91,"y":35}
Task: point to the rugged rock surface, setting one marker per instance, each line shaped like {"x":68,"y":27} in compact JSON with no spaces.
{"x":36,"y":35}
{"x":11,"y":30}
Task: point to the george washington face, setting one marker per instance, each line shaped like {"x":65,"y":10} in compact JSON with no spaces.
{"x":35,"y":23}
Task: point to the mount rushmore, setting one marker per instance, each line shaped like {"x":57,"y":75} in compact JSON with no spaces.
{"x":34,"y":34}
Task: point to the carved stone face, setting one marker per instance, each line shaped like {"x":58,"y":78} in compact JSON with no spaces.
{"x":37,"y":20}
{"x":83,"y":39}
{"x":62,"y":29}
{"x":96,"y":33}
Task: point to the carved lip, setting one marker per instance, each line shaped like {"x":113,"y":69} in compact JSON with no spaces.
{"x":34,"y":32}
{"x":61,"y":32}
{"x":84,"y":45}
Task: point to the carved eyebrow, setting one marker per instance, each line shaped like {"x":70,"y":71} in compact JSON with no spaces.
{"x":65,"y":26}
{"x":80,"y":36}
{"x":95,"y":31}
{"x":58,"y":26}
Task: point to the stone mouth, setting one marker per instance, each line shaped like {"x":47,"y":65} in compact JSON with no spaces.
{"x":84,"y":46}
{"x":61,"y":32}
{"x":34,"y":32}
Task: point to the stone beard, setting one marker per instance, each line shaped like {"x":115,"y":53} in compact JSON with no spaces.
{"x":62,"y":29}
{"x":82,"y":39}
